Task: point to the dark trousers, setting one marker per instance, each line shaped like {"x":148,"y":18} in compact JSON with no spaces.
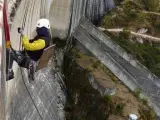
{"x":18,"y":56}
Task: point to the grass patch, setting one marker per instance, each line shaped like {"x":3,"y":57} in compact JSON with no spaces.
{"x":144,"y":101}
{"x":108,"y":99}
{"x":119,"y":109}
{"x":96,"y":64}
{"x":88,"y":69}
{"x":116,"y":109}
{"x":137,"y":93}
{"x":147,"y":114}
{"x":152,"y":5}
{"x":77,"y":53}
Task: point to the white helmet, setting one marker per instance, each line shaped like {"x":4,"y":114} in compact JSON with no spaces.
{"x":43,"y":23}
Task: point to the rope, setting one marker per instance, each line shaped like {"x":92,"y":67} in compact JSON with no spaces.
{"x":30,"y":94}
{"x":22,"y":73}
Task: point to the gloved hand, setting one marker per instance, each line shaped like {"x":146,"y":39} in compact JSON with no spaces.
{"x":20,"y":30}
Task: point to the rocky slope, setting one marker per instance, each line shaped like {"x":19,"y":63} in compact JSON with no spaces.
{"x":95,"y":93}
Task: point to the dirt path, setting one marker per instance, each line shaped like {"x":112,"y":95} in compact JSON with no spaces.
{"x":146,"y":37}
{"x":153,"y":13}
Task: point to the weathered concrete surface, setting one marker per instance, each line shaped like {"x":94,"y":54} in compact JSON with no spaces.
{"x":43,"y":99}
{"x":60,"y":17}
{"x":2,"y":81}
{"x":65,"y":14}
{"x":91,"y":9}
{"x":123,"y":69}
{"x":10,"y":5}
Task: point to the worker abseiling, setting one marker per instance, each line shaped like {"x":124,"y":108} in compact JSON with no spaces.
{"x":33,"y":49}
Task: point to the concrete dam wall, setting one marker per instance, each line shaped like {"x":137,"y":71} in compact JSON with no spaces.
{"x":67,"y":19}
{"x":44,"y":99}
{"x":91,"y":9}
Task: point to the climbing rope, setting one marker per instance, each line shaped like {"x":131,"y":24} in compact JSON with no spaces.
{"x":22,"y":72}
{"x":30,"y":94}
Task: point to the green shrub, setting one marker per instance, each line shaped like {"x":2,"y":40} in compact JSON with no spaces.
{"x":142,"y":17}
{"x":107,"y":21}
{"x":96,"y":64}
{"x":152,"y":5}
{"x":144,"y":101}
{"x":108,"y":99}
{"x":137,"y":93}
{"x":125,"y":34}
{"x":88,"y":69}
{"x":119,"y":109}
{"x":147,"y":114}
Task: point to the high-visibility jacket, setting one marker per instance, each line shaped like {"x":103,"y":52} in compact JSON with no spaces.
{"x":35,"y":47}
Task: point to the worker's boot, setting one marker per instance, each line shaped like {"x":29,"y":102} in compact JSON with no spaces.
{"x":10,"y":75}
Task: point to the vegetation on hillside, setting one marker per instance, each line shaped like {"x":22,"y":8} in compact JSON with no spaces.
{"x":134,"y":15}
{"x":93,"y":107}
{"x":152,"y":5}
